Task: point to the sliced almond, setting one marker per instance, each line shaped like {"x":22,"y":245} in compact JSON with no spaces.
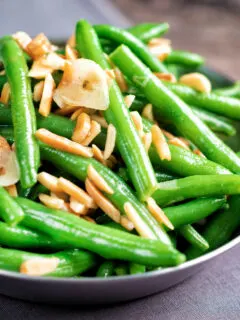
{"x":103,"y":123}
{"x":49,"y":181}
{"x":138,"y":223}
{"x":12,"y":190}
{"x":199,"y":153}
{"x":94,"y":131}
{"x":120,"y":80}
{"x":160,"y":143}
{"x":98,"y":180}
{"x":137,"y":120}
{"x":78,"y":207}
{"x":65,"y":110}
{"x":38,"y":91}
{"x":169,"y":77}
{"x":39,"y":46}
{"x":76,"y":192}
{"x":70,"y":53}
{"x":23,"y":39}
{"x":129,"y":100}
{"x":39,"y":266}
{"x":148,"y":112}
{"x":62,"y":143}
{"x":126,"y":223}
{"x":11,"y":173}
{"x":197,"y":81}
{"x":5,"y":94}
{"x":102,"y":202}
{"x":168,"y":134}
{"x":39,"y":70}
{"x":160,"y":48}
{"x":98,"y":154}
{"x":54,"y":61}
{"x":51,"y":202}
{"x":147,"y":140}
{"x":110,"y":141}
{"x":82,"y":128}
{"x":179,"y":143}
{"x":60,"y":195}
{"x":84,"y":83}
{"x":158,"y":213}
{"x":47,"y":96}
{"x":72,"y":41}
{"x":89,"y":219}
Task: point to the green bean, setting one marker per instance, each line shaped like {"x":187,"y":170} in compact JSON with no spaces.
{"x":185,"y":58}
{"x":106,"y":269}
{"x":7,"y":133}
{"x":107,"y":242}
{"x":121,"y":269}
{"x":3,"y":80}
{"x":136,"y":268}
{"x":10,"y":211}
{"x":220,"y":228}
{"x":128,"y":141}
{"x":148,"y":31}
{"x":137,"y":46}
{"x":175,"y":110}
{"x":23,"y":192}
{"x":36,"y":190}
{"x":196,"y":186}
{"x":22,"y":110}
{"x":223,"y":105}
{"x":71,"y":262}
{"x":230,"y":91}
{"x":77,"y":167}
{"x":194,"y":237}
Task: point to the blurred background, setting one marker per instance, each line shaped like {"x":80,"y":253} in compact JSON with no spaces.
{"x":209,"y":27}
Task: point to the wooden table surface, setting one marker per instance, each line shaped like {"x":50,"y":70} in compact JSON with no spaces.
{"x":211,"y":31}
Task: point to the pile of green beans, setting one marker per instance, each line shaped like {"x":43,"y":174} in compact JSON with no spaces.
{"x":198,"y":195}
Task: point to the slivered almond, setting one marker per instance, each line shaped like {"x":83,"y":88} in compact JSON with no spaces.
{"x":168,"y":134}
{"x":199,"y":153}
{"x":98,"y":180}
{"x":147,"y":112}
{"x":100,"y":120}
{"x":110,"y":141}
{"x":137,"y":120}
{"x":126,"y":223}
{"x":120,"y":80}
{"x":12,"y":190}
{"x":51,"y":202}
{"x":186,"y":141}
{"x":160,"y":48}
{"x":78,"y":207}
{"x":102,"y":201}
{"x":82,"y":128}
{"x":47,"y":96}
{"x":60,"y":195}
{"x":5,"y":94}
{"x":98,"y":154}
{"x":63,"y":144}
{"x":179,"y":143}
{"x":39,"y":70}
{"x":94,"y":131}
{"x":158,"y":213}
{"x":54,"y":61}
{"x":138,"y":223}
{"x":160,"y":143}
{"x":66,"y":110}
{"x":197,"y":81}
{"x":70,"y":53}
{"x":38,"y":91}
{"x":39,"y":266}
{"x":76,"y":192}
{"x":89,"y":219}
{"x":39,"y":46}
{"x":77,"y":113}
{"x":166,"y":76}
{"x":147,"y":140}
{"x":23,"y":39}
{"x":129,"y":100}
{"x":49,"y":181}
{"x":72,"y":41}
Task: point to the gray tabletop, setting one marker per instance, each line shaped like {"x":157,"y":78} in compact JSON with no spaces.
{"x":214,"y":293}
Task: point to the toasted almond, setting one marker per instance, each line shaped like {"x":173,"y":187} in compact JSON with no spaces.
{"x":72,"y":41}
{"x":82,"y":128}
{"x":110,"y":76}
{"x":166,"y":76}
{"x":47,"y":96}
{"x":103,"y":123}
{"x":110,"y":141}
{"x":197,"y":81}
{"x":158,"y":213}
{"x":89,"y":219}
{"x":2,"y":73}
{"x":10,"y":173}
{"x":102,"y":202}
{"x":126,"y":223}
{"x":60,"y":195}
{"x":78,"y":207}
{"x":70,"y":53}
{"x":51,"y":202}
{"x":160,"y":143}
{"x":148,"y":112}
{"x":98,"y":154}
{"x":98,"y":180}
{"x":5,"y":94}
{"x":38,"y":91}
{"x":39,"y":266}
{"x":138,"y":223}
{"x":199,"y":153}
{"x":12,"y":190}
{"x":159,"y":41}
{"x":168,"y":134}
{"x":23,"y":39}
{"x":62,"y":143}
{"x":54,"y":61}
{"x":65,"y":110}
{"x":39,"y":70}
{"x":137,"y":120}
{"x":39,"y":46}
{"x":129,"y":100}
{"x":76,"y":192}
{"x":49,"y":181}
{"x":160,"y":48}
{"x":120,"y":80}
{"x":147,"y":140}
{"x":4,"y":145}
{"x":179,"y":143}
{"x":184,"y":140}
{"x":76,"y":113}
{"x":94,"y":131}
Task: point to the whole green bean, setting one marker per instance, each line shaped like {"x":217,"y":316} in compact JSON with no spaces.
{"x":121,"y":269}
{"x":107,"y":242}
{"x":230,"y":91}
{"x":223,"y":105}
{"x":148,"y":31}
{"x":7,"y":133}
{"x":220,"y":228}
{"x":196,"y":186}
{"x":122,"y":36}
{"x":185,"y":58}
{"x":77,"y":167}
{"x":106,"y":269}
{"x":10,"y":211}
{"x":136,"y":268}
{"x":175,"y":110}
{"x":128,"y":141}
{"x":24,"y":120}
{"x":36,"y":190}
{"x":71,"y":262}
{"x":193,"y":237}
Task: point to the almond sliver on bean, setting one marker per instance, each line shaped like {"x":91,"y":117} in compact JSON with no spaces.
{"x":103,"y":123}
{"x":49,"y":181}
{"x":47,"y":96}
{"x":94,"y":131}
{"x":147,"y":112}
{"x":12,"y":190}
{"x":51,"y":202}
{"x":126,"y":223}
{"x":82,"y":128}
{"x":63,"y":144}
{"x":160,"y":143}
{"x":147,"y":140}
{"x":110,"y":141}
{"x":158,"y":213}
{"x":166,"y":76}
{"x":78,"y":207}
{"x":197,"y":81}
{"x":102,"y":202}
{"x":129,"y":100}
{"x":11,"y":173}
{"x":120,"y":80}
{"x":179,"y":143}
{"x":38,"y":91}
{"x":70,"y":53}
{"x":39,"y":266}
{"x":137,"y":120}
{"x":98,"y":180}
{"x":5,"y":94}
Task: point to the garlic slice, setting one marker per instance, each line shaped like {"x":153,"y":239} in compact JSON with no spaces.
{"x":84,"y":83}
{"x":11,"y":173}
